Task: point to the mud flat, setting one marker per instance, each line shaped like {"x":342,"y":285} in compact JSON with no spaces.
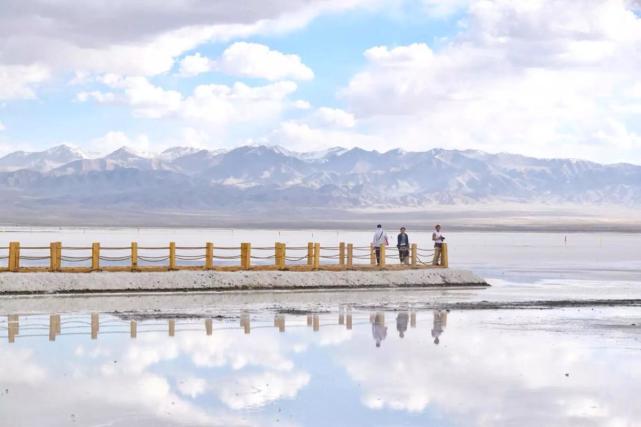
{"x":183,"y":281}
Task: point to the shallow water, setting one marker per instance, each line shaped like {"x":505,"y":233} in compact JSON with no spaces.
{"x":572,"y":366}
{"x":291,"y":358}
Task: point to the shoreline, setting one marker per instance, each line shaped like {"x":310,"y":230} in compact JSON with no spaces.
{"x":220,"y":281}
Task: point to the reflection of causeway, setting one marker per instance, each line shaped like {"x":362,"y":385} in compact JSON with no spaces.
{"x":77,"y":325}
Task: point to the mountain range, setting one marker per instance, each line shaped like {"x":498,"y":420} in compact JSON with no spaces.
{"x":263,"y":178}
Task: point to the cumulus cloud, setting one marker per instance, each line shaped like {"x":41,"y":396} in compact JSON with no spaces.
{"x":336,"y":117}
{"x":19,"y":81}
{"x":136,"y":38}
{"x":211,"y":103}
{"x":99,"y":97}
{"x":249,"y":60}
{"x":537,"y":78}
{"x":301,"y":104}
{"x":257,"y":60}
{"x":301,"y":136}
{"x":195,"y":64}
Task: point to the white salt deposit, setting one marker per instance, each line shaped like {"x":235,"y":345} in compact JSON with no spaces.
{"x":214,"y":280}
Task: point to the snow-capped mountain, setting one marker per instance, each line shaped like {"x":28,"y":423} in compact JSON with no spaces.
{"x":42,"y":161}
{"x":254,"y":178}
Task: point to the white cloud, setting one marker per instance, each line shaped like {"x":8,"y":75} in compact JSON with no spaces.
{"x":301,"y":136}
{"x":301,"y":104}
{"x":193,"y":65}
{"x":2,"y":127}
{"x":257,"y":60}
{"x":211,"y":104}
{"x":136,"y":38}
{"x":256,"y":390}
{"x":538,"y":78}
{"x":99,"y":97}
{"x":19,"y":81}
{"x":336,"y":117}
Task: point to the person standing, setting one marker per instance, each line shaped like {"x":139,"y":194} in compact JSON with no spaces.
{"x":380,"y":239}
{"x":438,"y":238}
{"x":403,"y":245}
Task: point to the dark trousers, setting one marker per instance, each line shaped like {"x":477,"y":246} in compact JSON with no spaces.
{"x":377,"y":249}
{"x":403,"y":253}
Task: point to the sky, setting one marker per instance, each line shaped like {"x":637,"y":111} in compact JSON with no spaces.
{"x":544,"y":78}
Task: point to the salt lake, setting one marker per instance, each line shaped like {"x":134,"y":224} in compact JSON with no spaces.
{"x":555,"y":341}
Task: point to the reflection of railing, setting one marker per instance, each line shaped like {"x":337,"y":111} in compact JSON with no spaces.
{"x":95,"y":326}
{"x":209,"y":257}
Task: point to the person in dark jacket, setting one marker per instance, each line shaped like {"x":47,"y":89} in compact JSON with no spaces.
{"x":403,"y":245}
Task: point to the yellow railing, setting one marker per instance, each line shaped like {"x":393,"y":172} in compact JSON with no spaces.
{"x":345,"y":256}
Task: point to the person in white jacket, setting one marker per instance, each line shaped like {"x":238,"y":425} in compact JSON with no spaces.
{"x":380,"y":239}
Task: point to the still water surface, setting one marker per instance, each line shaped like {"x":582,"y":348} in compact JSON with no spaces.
{"x":345,"y":366}
{"x":338,"y":358}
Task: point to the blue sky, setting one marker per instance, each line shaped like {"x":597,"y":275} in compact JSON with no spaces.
{"x":536,"y":78}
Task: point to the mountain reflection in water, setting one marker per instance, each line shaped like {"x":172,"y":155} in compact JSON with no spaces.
{"x":345,"y":367}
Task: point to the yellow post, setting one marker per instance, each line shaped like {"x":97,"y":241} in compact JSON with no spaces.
{"x":316,"y":323}
{"x":372,"y":254}
{"x":248,"y":261}
{"x":95,"y":256}
{"x":172,"y":255}
{"x":310,"y":253}
{"x":280,"y":255}
{"x":245,"y":256}
{"x":209,"y":326}
{"x":209,"y":256}
{"x":14,"y":256}
{"x":172,"y":327}
{"x":52,"y":256}
{"x":59,"y":256}
{"x":444,"y":260}
{"x":55,"y":254}
{"x":341,"y":254}
{"x":277,"y":255}
{"x":133,"y":329}
{"x":350,"y":255}
{"x":309,"y":320}
{"x":317,"y":250}
{"x":413,"y":254}
{"x":348,"y":323}
{"x":134,"y":256}
{"x":382,"y":256}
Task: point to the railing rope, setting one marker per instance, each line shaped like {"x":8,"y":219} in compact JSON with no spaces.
{"x":134,"y":257}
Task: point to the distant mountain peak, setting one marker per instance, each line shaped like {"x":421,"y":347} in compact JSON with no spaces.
{"x":123,"y":153}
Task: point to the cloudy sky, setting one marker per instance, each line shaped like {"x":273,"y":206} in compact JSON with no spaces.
{"x":545,"y":78}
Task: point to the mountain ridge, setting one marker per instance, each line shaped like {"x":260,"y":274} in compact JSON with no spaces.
{"x":260,"y":178}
